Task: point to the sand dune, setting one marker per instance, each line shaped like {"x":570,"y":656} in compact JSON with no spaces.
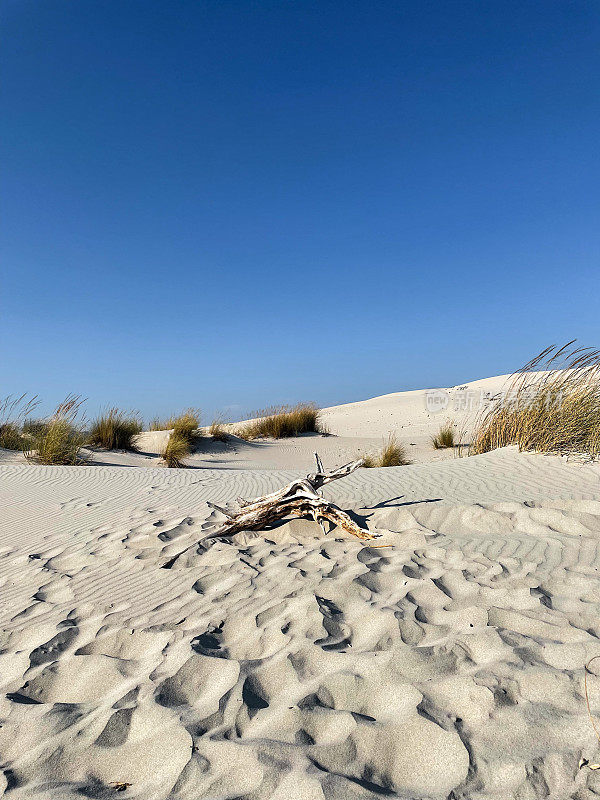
{"x":356,"y":429}
{"x":447,"y":664}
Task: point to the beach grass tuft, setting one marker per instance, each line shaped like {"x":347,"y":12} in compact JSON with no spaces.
{"x":445,"y":437}
{"x":187,"y":420}
{"x":217,"y":431}
{"x":186,"y":424}
{"x":33,"y":427}
{"x":552,"y":404}
{"x":177,"y":448}
{"x":184,"y":433}
{"x":284,"y":421}
{"x":11,"y":437}
{"x":58,"y":441}
{"x":14,"y":412}
{"x":115,"y":430}
{"x":392,"y":454}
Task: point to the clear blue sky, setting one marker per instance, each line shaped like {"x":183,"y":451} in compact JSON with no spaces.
{"x":232,"y":204}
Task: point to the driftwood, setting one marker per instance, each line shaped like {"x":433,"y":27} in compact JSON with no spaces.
{"x":300,"y":498}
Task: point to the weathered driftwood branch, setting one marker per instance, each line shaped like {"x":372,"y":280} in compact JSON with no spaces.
{"x":300,"y":498}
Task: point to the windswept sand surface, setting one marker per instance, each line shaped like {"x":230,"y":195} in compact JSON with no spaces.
{"x":293,"y":666}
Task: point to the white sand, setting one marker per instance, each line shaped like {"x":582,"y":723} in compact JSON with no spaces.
{"x":356,"y":429}
{"x":292,"y":666}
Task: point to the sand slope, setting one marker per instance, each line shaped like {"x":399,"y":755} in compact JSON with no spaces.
{"x":356,"y":429}
{"x":289,"y":665}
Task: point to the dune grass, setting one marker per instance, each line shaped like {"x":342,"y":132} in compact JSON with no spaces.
{"x":186,"y":424}
{"x":284,"y":421}
{"x":445,"y":437}
{"x":217,"y":431}
{"x":59,"y":440}
{"x":184,"y":433}
{"x":552,"y":404}
{"x":392,"y":454}
{"x":115,"y":430}
{"x":177,"y":448}
{"x":188,"y":420}
{"x":33,"y":427}
{"x":13,"y":419}
{"x":11,"y":437}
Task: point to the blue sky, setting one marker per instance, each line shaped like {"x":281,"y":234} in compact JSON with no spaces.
{"x":235,"y":204}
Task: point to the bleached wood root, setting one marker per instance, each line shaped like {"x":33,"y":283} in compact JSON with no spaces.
{"x":300,"y":498}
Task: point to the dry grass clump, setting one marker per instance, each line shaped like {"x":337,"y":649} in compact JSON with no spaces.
{"x":186,"y":424}
{"x":445,"y":437}
{"x":188,"y":420}
{"x":284,"y":421}
{"x":33,"y":427}
{"x":177,"y":448}
{"x":184,"y":432}
{"x":12,"y":411}
{"x":115,"y":430}
{"x":555,"y":409}
{"x":217,"y":431}
{"x":59,"y":440}
{"x":393,"y":454}
{"x":10,"y":436}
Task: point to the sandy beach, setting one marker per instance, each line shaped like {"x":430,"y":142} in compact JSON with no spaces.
{"x":300,"y":407}
{"x":444,"y":661}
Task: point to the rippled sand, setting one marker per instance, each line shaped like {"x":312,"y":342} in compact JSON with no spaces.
{"x":290,"y":665}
